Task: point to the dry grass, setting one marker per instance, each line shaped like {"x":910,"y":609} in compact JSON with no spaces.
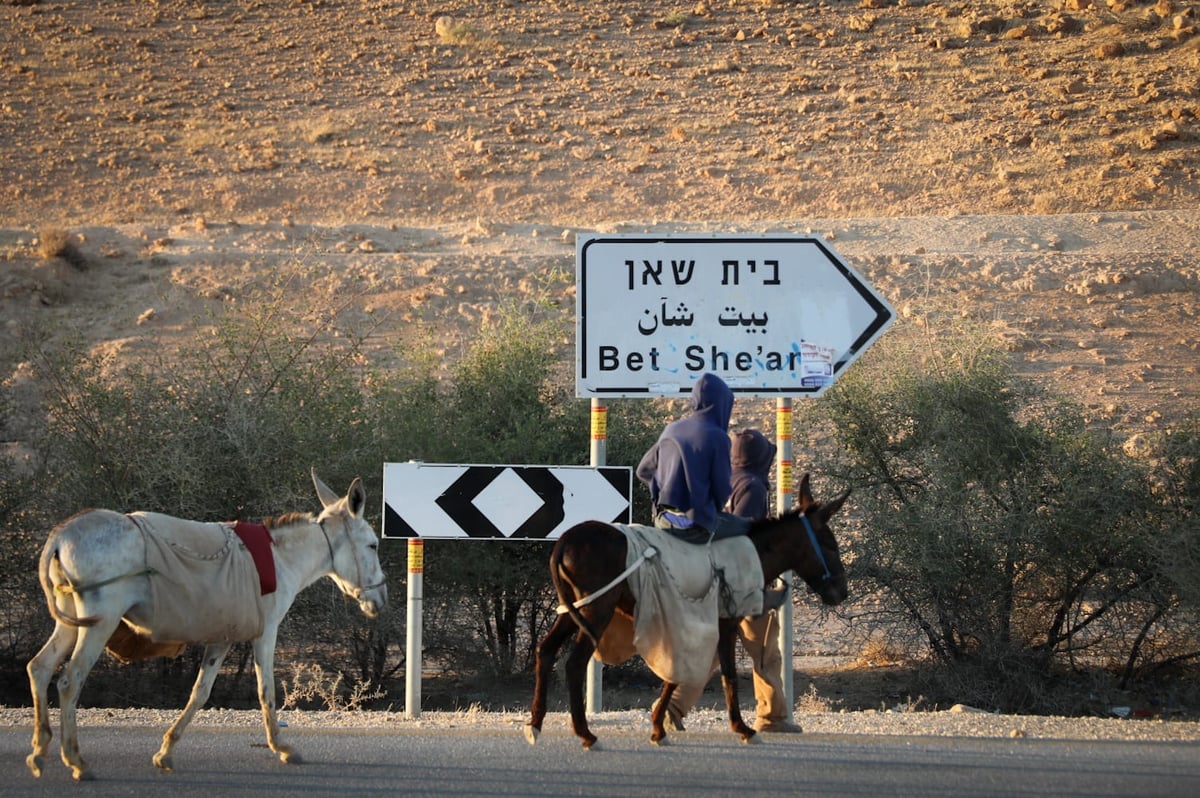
{"x":812,"y":702}
{"x":53,"y":242}
{"x":312,"y":687}
{"x":675,"y":19}
{"x":56,"y":243}
{"x":461,"y":34}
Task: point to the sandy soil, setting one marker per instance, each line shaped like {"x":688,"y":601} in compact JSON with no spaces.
{"x":576,"y":113}
{"x":1028,"y":164}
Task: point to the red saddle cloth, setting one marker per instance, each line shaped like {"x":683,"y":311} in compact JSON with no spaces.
{"x":258,"y":541}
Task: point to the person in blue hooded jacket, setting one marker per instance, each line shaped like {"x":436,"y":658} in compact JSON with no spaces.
{"x":688,"y":469}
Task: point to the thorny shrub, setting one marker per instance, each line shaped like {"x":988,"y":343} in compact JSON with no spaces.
{"x":1000,"y":534}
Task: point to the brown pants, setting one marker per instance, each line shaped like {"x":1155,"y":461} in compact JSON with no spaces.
{"x":760,"y":639}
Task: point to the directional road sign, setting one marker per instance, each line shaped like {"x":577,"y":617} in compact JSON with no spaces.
{"x":773,"y":315}
{"x":430,"y":500}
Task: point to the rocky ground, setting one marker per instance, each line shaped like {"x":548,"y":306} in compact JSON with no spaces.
{"x":957,"y":722}
{"x":574,"y":114}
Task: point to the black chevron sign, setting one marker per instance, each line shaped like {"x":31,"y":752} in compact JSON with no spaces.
{"x":500,"y":501}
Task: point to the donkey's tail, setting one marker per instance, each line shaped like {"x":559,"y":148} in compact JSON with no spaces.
{"x":566,"y":591}
{"x":51,"y":563}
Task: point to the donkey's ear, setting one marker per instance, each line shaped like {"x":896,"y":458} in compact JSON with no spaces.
{"x":356,"y":497}
{"x":834,"y":505}
{"x":804,"y":493}
{"x":326,"y":495}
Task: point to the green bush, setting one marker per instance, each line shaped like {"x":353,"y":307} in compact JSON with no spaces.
{"x":1175,"y":478}
{"x":227,"y":429}
{"x":230,"y":427}
{"x":999,"y":534}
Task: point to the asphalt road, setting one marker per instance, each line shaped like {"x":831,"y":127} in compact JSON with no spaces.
{"x":221,"y":762}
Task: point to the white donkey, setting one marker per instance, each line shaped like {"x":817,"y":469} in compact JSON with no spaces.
{"x":105,"y":573}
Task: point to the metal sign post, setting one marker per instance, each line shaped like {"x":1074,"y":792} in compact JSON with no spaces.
{"x":416,"y":594}
{"x":783,"y":493}
{"x":595,"y":672}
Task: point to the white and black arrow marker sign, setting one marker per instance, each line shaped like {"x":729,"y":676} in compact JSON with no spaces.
{"x":429,"y":500}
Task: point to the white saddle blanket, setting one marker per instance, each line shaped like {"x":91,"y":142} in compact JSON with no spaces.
{"x":681,"y":590}
{"x":205,"y":587}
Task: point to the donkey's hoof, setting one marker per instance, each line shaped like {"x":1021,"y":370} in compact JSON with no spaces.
{"x":531,"y":733}
{"x":590,"y":744}
{"x":163,"y":762}
{"x":751,"y":739}
{"x":289,"y":757}
{"x":82,"y":774}
{"x":660,"y":741}
{"x":34,"y":763}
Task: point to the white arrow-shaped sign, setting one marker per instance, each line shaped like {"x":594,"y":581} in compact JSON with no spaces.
{"x":430,"y":500}
{"x":773,"y":315}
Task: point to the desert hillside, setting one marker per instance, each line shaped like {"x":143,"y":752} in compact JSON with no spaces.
{"x":1030,"y":164}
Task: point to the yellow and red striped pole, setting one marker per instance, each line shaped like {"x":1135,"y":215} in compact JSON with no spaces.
{"x":416,"y":591}
{"x":594,"y":695}
{"x":783,"y":489}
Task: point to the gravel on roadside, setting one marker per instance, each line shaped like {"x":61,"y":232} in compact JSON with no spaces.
{"x":956,"y":722}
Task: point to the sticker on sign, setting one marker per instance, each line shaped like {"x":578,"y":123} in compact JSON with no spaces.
{"x":773,"y":315}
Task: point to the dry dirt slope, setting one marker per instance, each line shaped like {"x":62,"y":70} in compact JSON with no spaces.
{"x":579,"y":113}
{"x":1031,"y":164}
{"x":1104,"y":306}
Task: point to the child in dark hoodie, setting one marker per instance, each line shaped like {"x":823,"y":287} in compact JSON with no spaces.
{"x":688,"y":469}
{"x":752,"y":457}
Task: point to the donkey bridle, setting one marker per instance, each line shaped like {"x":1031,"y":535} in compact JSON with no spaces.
{"x":357,"y":565}
{"x":826,"y":576}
